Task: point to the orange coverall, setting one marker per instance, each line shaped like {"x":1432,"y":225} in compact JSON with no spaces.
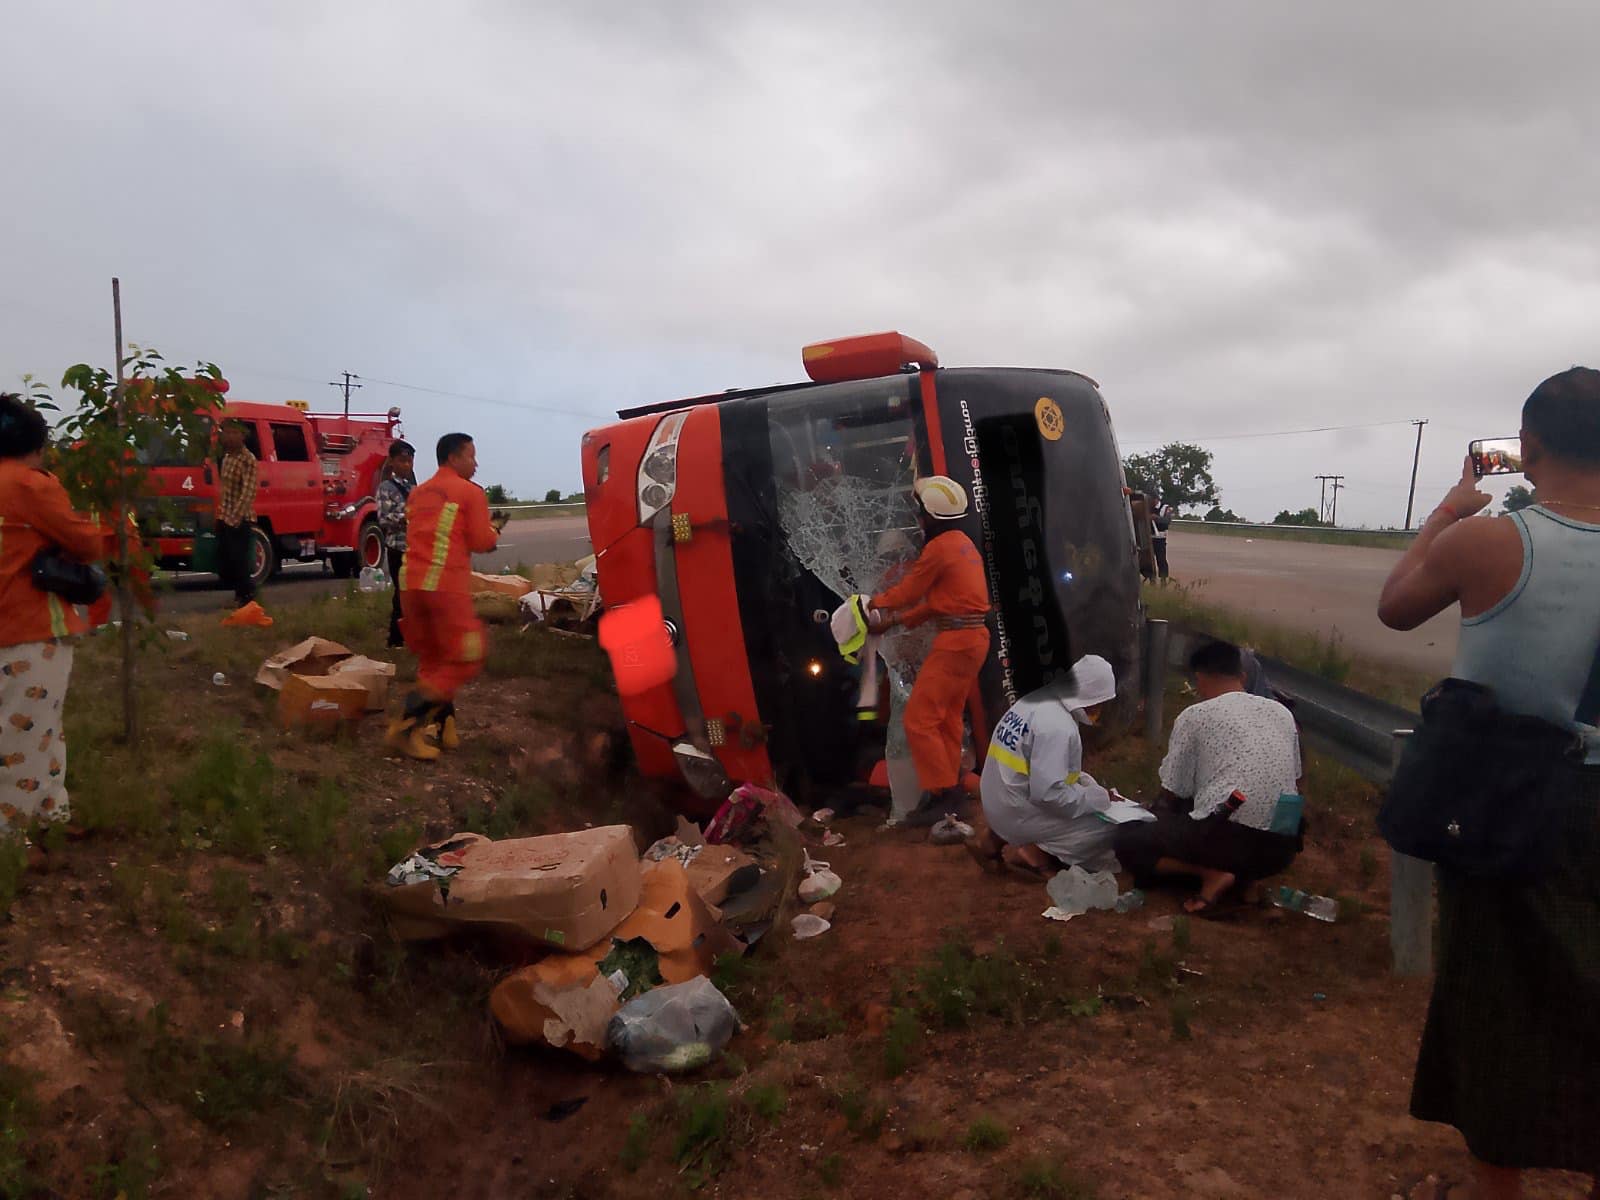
{"x":945,"y":584}
{"x":447,"y":522}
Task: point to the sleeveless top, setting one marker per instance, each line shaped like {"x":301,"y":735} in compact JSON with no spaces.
{"x":1539,"y":648}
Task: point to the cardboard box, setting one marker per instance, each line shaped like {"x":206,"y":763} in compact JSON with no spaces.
{"x":514,"y":586}
{"x":711,"y":871}
{"x":314,"y":656}
{"x":565,"y":1002}
{"x":372,"y":673}
{"x":567,"y":890}
{"x":320,"y":701}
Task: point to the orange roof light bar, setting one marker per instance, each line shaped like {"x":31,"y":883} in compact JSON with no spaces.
{"x":869,"y":356}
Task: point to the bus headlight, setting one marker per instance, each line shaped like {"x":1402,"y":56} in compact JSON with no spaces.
{"x":658,"y":470}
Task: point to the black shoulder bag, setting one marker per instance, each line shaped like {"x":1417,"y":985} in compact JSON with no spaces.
{"x":1479,"y":790}
{"x":75,"y":582}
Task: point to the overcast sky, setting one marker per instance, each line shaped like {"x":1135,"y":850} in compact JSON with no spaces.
{"x":1237,"y":217}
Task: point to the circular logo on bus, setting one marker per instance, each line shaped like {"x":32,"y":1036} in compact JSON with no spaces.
{"x":1051,"y":423}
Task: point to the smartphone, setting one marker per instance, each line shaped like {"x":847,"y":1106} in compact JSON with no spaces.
{"x":1496,"y":456}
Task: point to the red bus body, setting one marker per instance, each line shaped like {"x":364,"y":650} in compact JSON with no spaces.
{"x":703,"y":504}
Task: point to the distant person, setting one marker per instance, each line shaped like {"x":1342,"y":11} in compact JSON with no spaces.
{"x":1161,"y":514}
{"x":1511,"y":1050}
{"x":448,"y":518}
{"x":35,"y":626}
{"x":236,"y":514}
{"x":1230,"y":742}
{"x":946,"y":585}
{"x":398,"y":476}
{"x":1042,"y":809}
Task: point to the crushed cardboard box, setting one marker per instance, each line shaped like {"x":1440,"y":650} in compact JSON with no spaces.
{"x":554,"y":1000}
{"x":567,"y":890}
{"x":515,"y":586}
{"x":316,"y":658}
{"x":321,"y":701}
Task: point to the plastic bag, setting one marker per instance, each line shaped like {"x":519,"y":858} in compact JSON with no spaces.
{"x":681,"y":1027}
{"x":820,"y":882}
{"x":950,"y":832}
{"x":1075,"y":890}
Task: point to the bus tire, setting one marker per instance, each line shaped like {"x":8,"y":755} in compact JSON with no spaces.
{"x":263,"y":556}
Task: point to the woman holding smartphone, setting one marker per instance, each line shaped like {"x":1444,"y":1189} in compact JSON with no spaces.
{"x":1510,"y":1054}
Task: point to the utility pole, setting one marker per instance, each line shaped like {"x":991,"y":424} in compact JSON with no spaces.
{"x":1415,"y":459}
{"x":346,"y":385}
{"x":1322,"y":501}
{"x":1338,"y":483}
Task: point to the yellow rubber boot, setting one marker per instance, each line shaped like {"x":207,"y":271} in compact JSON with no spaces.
{"x":449,"y":736}
{"x":408,"y":733}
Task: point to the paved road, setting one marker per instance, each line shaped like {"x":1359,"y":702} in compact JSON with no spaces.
{"x":1309,"y":586}
{"x":547,"y":539}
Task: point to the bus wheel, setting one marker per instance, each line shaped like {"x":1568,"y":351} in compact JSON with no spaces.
{"x":263,"y":556}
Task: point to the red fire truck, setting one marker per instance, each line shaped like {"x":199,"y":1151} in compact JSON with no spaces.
{"x":317,"y":480}
{"x":751,"y":514}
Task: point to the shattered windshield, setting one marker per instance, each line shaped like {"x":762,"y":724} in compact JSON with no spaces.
{"x":844,"y":468}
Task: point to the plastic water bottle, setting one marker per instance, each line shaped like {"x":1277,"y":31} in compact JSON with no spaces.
{"x":1130,"y":901}
{"x":1323,"y":908}
{"x":372,"y":579}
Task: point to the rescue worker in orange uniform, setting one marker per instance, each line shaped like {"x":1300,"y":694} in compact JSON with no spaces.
{"x":947,"y":585}
{"x":448,"y":522}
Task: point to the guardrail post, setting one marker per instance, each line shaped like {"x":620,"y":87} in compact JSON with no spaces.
{"x":1155,"y":678}
{"x":1410,"y":903}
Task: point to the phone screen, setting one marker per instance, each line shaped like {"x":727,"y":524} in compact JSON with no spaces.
{"x":1496,"y":456}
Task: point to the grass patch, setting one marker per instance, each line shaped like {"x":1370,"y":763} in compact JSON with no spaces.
{"x":1319,"y":654}
{"x":767,"y":1100}
{"x":985,"y":1135}
{"x":1381,"y":539}
{"x":1043,"y":1178}
{"x":636,"y":1143}
{"x":18,"y":1112}
{"x":805,"y":1022}
{"x":902,"y":1041}
{"x":831,"y":1169}
{"x":864,"y":1114}
{"x":1180,"y":1011}
{"x":13,"y":866}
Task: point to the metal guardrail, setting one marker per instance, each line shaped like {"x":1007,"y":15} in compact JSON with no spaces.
{"x":538,"y":506}
{"x":1365,"y":734}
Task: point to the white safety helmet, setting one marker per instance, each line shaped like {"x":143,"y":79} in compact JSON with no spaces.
{"x":1092,"y":682}
{"x":941,"y":497}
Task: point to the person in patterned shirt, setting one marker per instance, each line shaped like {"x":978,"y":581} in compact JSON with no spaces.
{"x":1229,"y":813}
{"x":236,"y":513}
{"x":399,"y":476}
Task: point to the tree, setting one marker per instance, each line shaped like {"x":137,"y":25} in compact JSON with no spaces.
{"x":553,"y":496}
{"x":497,"y":494}
{"x":1180,"y":473}
{"x":1519,"y":497}
{"x":1218,"y":513}
{"x":1306,"y":516}
{"x":102,"y":444}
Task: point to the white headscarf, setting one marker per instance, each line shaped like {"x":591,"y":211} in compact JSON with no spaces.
{"x":1092,"y":682}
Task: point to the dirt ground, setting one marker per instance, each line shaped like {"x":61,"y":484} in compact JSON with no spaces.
{"x":190,"y":1009}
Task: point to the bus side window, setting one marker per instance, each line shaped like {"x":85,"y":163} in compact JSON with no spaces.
{"x":289,"y":443}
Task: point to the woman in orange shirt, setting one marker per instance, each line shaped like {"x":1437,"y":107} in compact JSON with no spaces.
{"x":35,"y":658}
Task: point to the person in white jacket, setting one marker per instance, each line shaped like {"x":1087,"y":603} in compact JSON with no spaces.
{"x":1043,"y":810}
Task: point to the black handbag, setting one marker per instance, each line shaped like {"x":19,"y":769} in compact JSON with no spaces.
{"x":75,"y":582}
{"x":1479,"y":790}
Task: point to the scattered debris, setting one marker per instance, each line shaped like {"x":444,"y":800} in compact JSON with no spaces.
{"x":949,"y":831}
{"x":177,"y":635}
{"x":819,"y":883}
{"x":680,"y":1027}
{"x":808,"y":925}
{"x":1075,"y":891}
{"x":320,"y":659}
{"x":566,"y":890}
{"x":832,"y":838}
{"x":219,"y":680}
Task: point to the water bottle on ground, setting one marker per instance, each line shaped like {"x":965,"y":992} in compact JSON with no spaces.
{"x":1130,"y":901}
{"x":372,"y":579}
{"x":1323,"y":908}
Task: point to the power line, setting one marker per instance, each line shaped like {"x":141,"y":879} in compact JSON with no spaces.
{"x":414,"y":387}
{"x":1225,"y":437}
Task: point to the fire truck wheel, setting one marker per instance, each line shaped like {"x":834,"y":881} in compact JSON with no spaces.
{"x":369,"y":544}
{"x":263,"y":556}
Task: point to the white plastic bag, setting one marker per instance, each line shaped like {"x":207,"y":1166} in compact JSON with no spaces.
{"x":820,"y":882}
{"x":680,"y":1027}
{"x":1075,"y":890}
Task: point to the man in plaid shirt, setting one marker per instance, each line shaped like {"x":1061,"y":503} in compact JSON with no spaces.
{"x":236,"y":514}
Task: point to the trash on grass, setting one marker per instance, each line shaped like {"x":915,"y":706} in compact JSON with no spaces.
{"x":321,"y":701}
{"x":515,"y":586}
{"x":318,"y":657}
{"x":819,"y":883}
{"x":566,"y":890}
{"x":950,"y":832}
{"x":248,"y":614}
{"x":177,"y":635}
{"x":1075,"y":891}
{"x":823,"y":816}
{"x":808,"y":925}
{"x":832,"y":838}
{"x":680,"y":1027}
{"x":219,"y":679}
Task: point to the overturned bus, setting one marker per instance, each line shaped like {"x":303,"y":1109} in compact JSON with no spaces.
{"x":752,"y":514}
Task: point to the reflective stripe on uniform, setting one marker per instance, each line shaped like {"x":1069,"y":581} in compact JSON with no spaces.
{"x":1074,"y":777}
{"x":441,"y":546}
{"x":58,"y":616}
{"x":1007,"y":758}
{"x":471,"y":646}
